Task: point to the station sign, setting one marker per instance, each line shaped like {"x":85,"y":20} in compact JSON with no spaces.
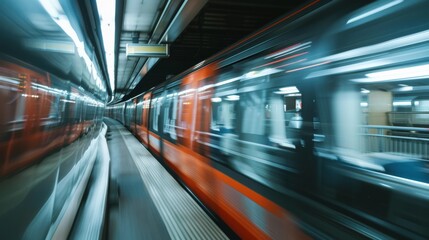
{"x":147,"y":50}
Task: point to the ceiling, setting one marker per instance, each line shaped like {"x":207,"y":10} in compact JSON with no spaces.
{"x":194,"y":30}
{"x":65,"y":37}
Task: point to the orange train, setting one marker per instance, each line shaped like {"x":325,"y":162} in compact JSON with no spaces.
{"x":40,"y":114}
{"x":48,"y":132}
{"x":285,"y":134}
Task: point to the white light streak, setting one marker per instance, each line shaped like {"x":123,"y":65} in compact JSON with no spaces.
{"x":262,"y":73}
{"x":374,"y":11}
{"x":199,"y":64}
{"x":30,"y":95}
{"x":203,"y":88}
{"x":294,"y":95}
{"x":415,"y":72}
{"x":364,"y":91}
{"x":67,"y":101}
{"x":287,"y":90}
{"x":227,"y":81}
{"x":289,"y":50}
{"x":406,"y":88}
{"x":402,"y":103}
{"x":216,"y":99}
{"x":232,"y":98}
{"x":309,"y":66}
{"x":389,"y":45}
{"x":107,"y":12}
{"x":55,"y":10}
{"x":186,"y":91}
{"x":9,"y":80}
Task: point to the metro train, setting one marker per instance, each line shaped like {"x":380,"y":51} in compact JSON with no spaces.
{"x":41,"y":114}
{"x":289,"y":134}
{"x":46,"y":126}
{"x":52,"y":102}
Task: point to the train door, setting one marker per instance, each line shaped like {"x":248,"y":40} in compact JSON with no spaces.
{"x":201,"y":140}
{"x":170,"y":122}
{"x":155,"y":122}
{"x":128,"y":111}
{"x":170,"y":111}
{"x":224,"y":102}
{"x":145,"y":119}
{"x":185,"y":114}
{"x":139,"y":117}
{"x":133,"y":116}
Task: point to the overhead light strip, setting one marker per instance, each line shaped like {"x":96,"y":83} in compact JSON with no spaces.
{"x":107,"y":13}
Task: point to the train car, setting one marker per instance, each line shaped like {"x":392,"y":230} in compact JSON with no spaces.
{"x":287,"y":134}
{"x":116,"y":112}
{"x":39,"y":109}
{"x":44,"y":120}
{"x":52,"y":102}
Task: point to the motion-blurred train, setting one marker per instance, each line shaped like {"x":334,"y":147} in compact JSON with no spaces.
{"x":40,"y":114}
{"x":306,"y":128}
{"x":46,"y":124}
{"x":52,"y":105}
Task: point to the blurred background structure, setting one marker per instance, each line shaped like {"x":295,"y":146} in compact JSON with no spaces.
{"x":213,"y":119}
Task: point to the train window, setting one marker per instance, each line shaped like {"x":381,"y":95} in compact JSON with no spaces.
{"x":170,"y":114}
{"x":253,"y":108}
{"x":272,"y":114}
{"x":155,"y":110}
{"x":139,"y":112}
{"x":55,"y":106}
{"x":224,"y":113}
{"x":285,"y":107}
{"x":385,"y":128}
{"x":20,"y":106}
{"x":146,"y":104}
{"x":225,"y":104}
{"x":185,"y":113}
{"x":13,"y":103}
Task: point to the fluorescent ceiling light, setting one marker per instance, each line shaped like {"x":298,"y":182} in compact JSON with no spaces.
{"x":364,"y":91}
{"x":216,"y":99}
{"x":232,"y":98}
{"x":107,"y":11}
{"x":415,"y":72}
{"x":287,"y":90}
{"x":406,"y":89}
{"x":403,"y":103}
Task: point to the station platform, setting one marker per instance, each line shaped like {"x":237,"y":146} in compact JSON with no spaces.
{"x":145,"y":201}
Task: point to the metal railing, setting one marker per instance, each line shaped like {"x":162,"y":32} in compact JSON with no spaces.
{"x":410,"y":141}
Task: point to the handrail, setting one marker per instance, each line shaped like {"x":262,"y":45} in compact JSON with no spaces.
{"x":417,"y":129}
